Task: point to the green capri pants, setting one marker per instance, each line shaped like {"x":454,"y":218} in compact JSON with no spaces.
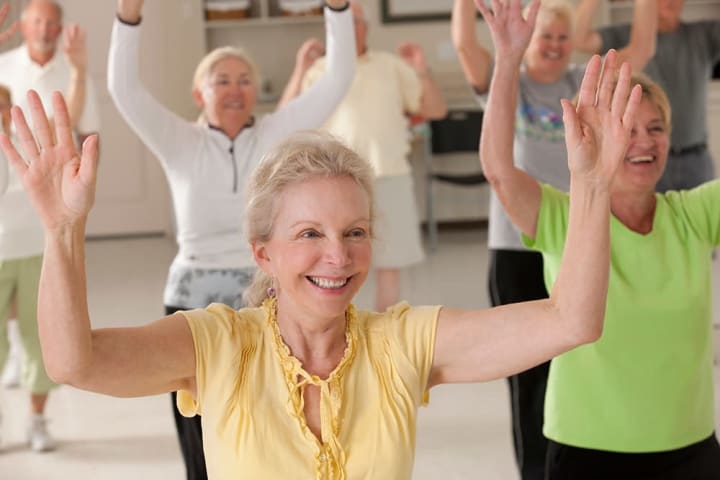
{"x":20,"y":277}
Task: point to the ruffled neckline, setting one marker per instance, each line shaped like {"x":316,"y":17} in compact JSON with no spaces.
{"x":329,"y":455}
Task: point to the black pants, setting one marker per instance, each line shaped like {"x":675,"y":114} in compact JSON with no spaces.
{"x":189,"y":432}
{"x":517,"y":276}
{"x":699,"y":461}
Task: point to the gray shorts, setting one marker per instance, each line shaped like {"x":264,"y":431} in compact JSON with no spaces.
{"x":397,"y":241}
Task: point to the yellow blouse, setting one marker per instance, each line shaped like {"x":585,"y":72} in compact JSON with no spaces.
{"x":250,"y":395}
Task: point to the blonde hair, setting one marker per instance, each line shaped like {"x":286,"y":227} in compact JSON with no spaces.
{"x":301,"y":157}
{"x":550,"y":9}
{"x":655,"y":93}
{"x":207,"y":64}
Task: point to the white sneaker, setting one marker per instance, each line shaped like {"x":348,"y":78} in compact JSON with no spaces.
{"x":11,"y":373}
{"x":38,"y":436}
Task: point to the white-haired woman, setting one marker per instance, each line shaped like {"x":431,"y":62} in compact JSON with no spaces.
{"x":305,"y":385}
{"x":207,"y":162}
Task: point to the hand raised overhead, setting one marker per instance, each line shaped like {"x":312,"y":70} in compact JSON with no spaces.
{"x":59,"y":181}
{"x":10,"y":31}
{"x":597,"y":131}
{"x":510,"y":31}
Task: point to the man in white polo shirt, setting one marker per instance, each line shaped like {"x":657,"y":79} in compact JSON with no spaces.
{"x":37,"y":65}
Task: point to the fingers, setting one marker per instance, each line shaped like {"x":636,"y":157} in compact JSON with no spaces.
{"x":622,"y":90}
{"x":632,"y":106}
{"x":586,"y":97}
{"x":484,"y":11}
{"x":89,"y":160}
{"x":570,"y":119}
{"x":607,"y":80}
{"x":27,"y":141}
{"x":63,"y":128}
{"x":12,"y":155}
{"x":533,"y":12}
{"x":40,"y":120}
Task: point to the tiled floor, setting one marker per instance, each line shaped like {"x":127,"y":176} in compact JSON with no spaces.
{"x":463,"y":434}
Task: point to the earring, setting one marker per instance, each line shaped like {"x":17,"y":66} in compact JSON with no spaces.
{"x":271,"y":292}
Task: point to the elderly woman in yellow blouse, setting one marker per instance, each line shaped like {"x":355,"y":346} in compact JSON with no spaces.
{"x":301,"y":384}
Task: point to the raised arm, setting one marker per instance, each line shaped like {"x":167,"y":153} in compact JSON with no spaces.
{"x":314,"y":106}
{"x":518,"y":192}
{"x":643,"y":35}
{"x":6,"y":34}
{"x":432,"y":101}
{"x":75,"y":50}
{"x":474,"y":59}
{"x":61,"y":184}
{"x":309,"y":51}
{"x":486,"y":344}
{"x":165,"y":133}
{"x":586,"y":38}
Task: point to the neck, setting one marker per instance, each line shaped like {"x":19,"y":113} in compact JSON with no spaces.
{"x":41,"y":58}
{"x":544,"y":76}
{"x":318,"y":344}
{"x":636,"y":210}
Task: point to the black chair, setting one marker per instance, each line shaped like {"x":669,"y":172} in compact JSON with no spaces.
{"x":458,"y":132}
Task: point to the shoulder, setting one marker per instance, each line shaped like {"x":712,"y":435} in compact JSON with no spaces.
{"x":220,"y":321}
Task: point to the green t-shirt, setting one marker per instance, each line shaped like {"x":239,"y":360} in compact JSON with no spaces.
{"x":647,"y":384}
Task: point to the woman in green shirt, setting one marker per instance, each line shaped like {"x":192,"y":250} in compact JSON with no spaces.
{"x":639,"y":402}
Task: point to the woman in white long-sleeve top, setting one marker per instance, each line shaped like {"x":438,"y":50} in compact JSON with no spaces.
{"x":207,"y":162}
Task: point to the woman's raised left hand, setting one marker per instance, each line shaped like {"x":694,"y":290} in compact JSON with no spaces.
{"x":59,"y":181}
{"x":597,"y":131}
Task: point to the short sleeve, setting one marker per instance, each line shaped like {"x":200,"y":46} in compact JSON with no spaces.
{"x":412,"y":330}
{"x":552,"y":223}
{"x":410,"y":86}
{"x":701,"y":207}
{"x":212,"y":331}
{"x":616,"y":36}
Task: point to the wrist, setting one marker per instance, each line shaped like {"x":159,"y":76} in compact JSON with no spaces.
{"x":129,"y":18}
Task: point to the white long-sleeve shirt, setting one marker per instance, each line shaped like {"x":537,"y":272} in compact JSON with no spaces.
{"x":207,"y":170}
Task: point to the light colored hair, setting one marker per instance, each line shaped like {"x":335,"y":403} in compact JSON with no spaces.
{"x":551,"y":9}
{"x":302,"y":156}
{"x":207,"y":64}
{"x":654,"y":92}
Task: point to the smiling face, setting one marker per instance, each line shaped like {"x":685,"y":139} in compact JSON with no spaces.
{"x":228,"y":95}
{"x":550,"y":46}
{"x":647,"y":152}
{"x":320,"y":248}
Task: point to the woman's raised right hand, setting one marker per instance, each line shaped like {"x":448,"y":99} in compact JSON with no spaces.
{"x":130,"y":11}
{"x":59,"y":181}
{"x":510,"y":31}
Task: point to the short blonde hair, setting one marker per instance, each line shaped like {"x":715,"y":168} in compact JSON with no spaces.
{"x":301,"y":157}
{"x":655,"y":93}
{"x":207,"y":64}
{"x":550,"y":9}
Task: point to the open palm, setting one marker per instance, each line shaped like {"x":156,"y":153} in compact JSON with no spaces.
{"x":59,"y":181}
{"x":510,"y":31}
{"x":597,"y":131}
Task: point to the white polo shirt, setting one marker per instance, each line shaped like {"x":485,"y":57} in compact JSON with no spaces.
{"x":20,"y":74}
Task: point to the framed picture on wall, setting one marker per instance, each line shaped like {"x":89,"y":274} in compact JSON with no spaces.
{"x":394,"y":11}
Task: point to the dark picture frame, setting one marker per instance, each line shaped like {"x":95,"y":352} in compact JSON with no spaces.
{"x":399,"y":11}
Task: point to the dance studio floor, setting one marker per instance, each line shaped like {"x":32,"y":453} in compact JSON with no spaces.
{"x":463,"y":434}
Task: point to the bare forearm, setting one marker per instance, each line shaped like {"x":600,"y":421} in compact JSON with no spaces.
{"x":433,"y":104}
{"x":76,"y":95}
{"x":579,"y":292}
{"x":63,"y":318}
{"x":293,"y":87}
{"x":643,"y":35}
{"x":474,"y":59}
{"x":586,"y":38}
